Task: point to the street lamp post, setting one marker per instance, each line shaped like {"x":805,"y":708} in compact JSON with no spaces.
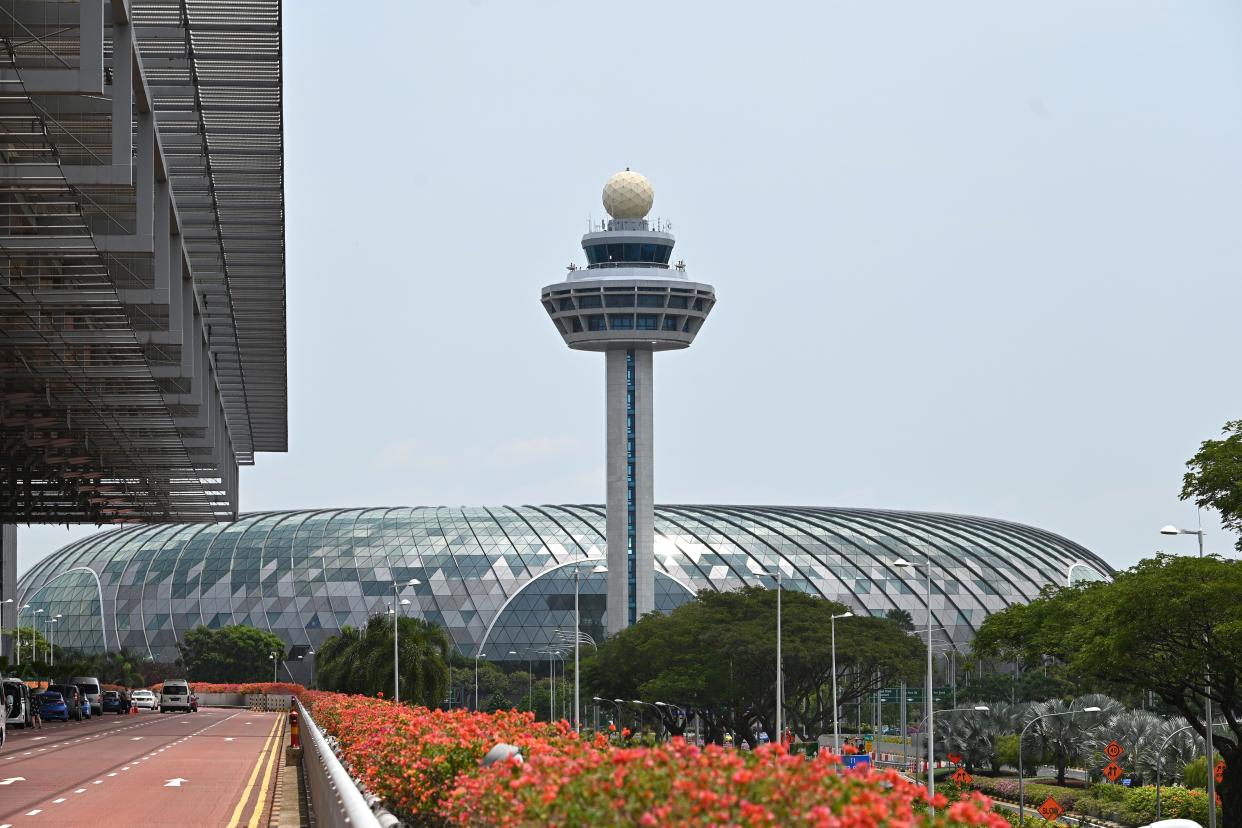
{"x":398,"y":602}
{"x":51,"y":641}
{"x":272,"y":656}
{"x":19,"y":633}
{"x":477,"y":656}
{"x":780,"y":686}
{"x":1209,"y":749}
{"x":578,"y":639}
{"x":1022,"y":736}
{"x":930,"y":698}
{"x":836,"y":730}
{"x":34,"y":625}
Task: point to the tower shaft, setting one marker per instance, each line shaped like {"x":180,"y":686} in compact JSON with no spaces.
{"x":630,"y":497}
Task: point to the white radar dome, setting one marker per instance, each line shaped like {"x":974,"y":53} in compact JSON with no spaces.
{"x":628,"y":195}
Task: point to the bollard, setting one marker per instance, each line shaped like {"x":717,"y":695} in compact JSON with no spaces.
{"x":295,"y":739}
{"x":293,"y":753}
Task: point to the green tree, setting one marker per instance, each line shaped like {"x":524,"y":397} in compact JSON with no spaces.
{"x":902,"y":618}
{"x":716,"y":655}
{"x":361,"y":661}
{"x":1215,"y":478}
{"x":236,"y":653}
{"x":1169,"y":625}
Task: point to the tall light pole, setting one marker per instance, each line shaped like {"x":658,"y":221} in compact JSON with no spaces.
{"x":51,"y":652}
{"x":780,"y":686}
{"x":930,"y":699}
{"x":931,"y":733}
{"x":272,"y":656}
{"x":1022,"y":736}
{"x":1209,"y":749}
{"x":19,"y":634}
{"x":477,"y":656}
{"x":398,"y":602}
{"x":836,"y":729}
{"x":34,"y":625}
{"x":578,"y":639}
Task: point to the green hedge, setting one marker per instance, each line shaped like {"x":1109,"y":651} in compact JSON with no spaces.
{"x":1137,"y":806}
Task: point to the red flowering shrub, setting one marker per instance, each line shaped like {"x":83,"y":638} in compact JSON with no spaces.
{"x":424,"y":764}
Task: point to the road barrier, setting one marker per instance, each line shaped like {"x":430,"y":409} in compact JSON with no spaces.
{"x":264,"y":703}
{"x":336,"y":799}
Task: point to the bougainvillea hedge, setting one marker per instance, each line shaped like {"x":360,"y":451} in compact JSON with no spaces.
{"x":425,"y":765}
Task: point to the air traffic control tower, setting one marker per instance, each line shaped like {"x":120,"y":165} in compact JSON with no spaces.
{"x":629,"y":302}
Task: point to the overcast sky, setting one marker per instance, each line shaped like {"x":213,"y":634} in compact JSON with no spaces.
{"x":971,"y":257}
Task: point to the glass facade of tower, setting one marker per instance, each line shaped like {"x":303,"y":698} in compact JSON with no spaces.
{"x":500,"y":579}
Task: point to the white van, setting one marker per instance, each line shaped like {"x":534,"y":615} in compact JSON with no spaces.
{"x":18,"y":703}
{"x":175,"y":695}
{"x":90,"y":692}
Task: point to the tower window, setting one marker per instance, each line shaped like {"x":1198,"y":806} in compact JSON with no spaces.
{"x":651,"y":300}
{"x":577,"y":325}
{"x":591,"y":301}
{"x":567,"y":304}
{"x":670,"y":322}
{"x":647,"y":322}
{"x":595,"y":322}
{"x":620,"y":322}
{"x":677,"y":302}
{"x":698,"y":304}
{"x":619,"y":300}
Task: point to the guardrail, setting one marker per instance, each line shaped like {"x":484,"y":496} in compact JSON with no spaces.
{"x":335,"y":797}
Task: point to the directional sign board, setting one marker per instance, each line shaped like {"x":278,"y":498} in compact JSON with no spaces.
{"x":1219,"y":771}
{"x":1112,"y":770}
{"x":961,"y":777}
{"x":914,"y":695}
{"x":1113,"y":750}
{"x":955,"y":758}
{"x":1051,"y":809}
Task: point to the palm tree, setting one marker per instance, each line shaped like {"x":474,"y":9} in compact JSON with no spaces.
{"x":1063,"y":737}
{"x":361,"y":661}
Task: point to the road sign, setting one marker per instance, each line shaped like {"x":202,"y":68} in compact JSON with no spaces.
{"x":1051,"y":810}
{"x":1113,"y":750}
{"x":961,"y":777}
{"x":1219,"y":771}
{"x":175,"y":783}
{"x":1112,"y":770}
{"x":955,"y":758}
{"x":914,"y":695}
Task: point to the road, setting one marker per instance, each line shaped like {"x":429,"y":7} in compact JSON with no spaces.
{"x":211,"y":768}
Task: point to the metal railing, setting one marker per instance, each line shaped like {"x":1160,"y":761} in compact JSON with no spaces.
{"x":335,"y":797}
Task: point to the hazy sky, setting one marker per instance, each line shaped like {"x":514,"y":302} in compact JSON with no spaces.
{"x":972,"y":257}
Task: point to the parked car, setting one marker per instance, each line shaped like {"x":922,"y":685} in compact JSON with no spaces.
{"x":52,"y":706}
{"x":19,"y":705}
{"x":175,"y":695}
{"x":144,"y":698}
{"x":90,"y":692}
{"x":112,"y":702}
{"x":72,"y":698}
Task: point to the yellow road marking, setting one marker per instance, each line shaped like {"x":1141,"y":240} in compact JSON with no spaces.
{"x":268,"y":773}
{"x":241,"y":803}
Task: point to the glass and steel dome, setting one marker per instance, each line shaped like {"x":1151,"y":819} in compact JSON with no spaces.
{"x":500,"y":579}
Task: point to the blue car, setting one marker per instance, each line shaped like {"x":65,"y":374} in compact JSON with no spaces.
{"x":113,"y":703}
{"x":52,"y":706}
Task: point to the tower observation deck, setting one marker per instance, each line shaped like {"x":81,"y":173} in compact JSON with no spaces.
{"x":629,"y":302}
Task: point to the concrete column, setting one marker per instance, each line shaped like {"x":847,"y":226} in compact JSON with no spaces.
{"x":618,"y":438}
{"x":8,"y":586}
{"x":615,"y":437}
{"x":644,"y":450}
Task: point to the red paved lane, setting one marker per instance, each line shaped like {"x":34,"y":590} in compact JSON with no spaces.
{"x":211,"y":768}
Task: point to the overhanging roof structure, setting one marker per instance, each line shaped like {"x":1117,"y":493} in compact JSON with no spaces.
{"x":142,"y":260}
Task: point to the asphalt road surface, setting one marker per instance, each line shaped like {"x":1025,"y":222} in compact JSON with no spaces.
{"x":215,"y":767}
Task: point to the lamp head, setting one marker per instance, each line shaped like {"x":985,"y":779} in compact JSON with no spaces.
{"x":413,"y":582}
{"x":902,"y":562}
{"x":1091,"y":710}
{"x":600,"y":570}
{"x":982,"y":708}
{"x":619,"y":701}
{"x":844,"y":615}
{"x":635,"y":701}
{"x":661,"y":704}
{"x":1170,"y":530}
{"x":405,"y":602}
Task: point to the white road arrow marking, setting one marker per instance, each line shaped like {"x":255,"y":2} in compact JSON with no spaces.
{"x":12,"y":779}
{"x":175,"y":783}
{"x":135,"y":738}
{"x":228,"y":738}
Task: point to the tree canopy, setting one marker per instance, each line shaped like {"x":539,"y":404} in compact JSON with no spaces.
{"x":235,"y":653}
{"x":361,"y":661}
{"x":1170,"y":625}
{"x":716,"y":655}
{"x":1215,"y":478}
